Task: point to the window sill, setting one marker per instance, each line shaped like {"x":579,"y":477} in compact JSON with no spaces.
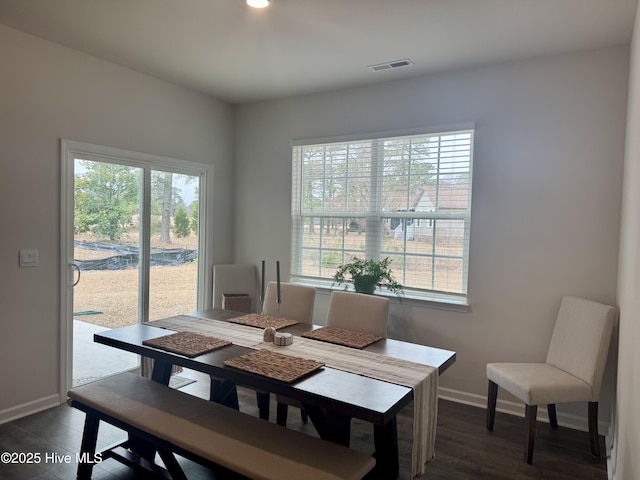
{"x":412,"y":298}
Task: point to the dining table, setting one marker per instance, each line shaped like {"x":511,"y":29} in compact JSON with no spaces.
{"x":332,"y":395}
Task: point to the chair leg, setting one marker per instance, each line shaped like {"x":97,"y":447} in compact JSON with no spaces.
{"x":262,"y":399}
{"x":281,"y":414}
{"x":593,"y":429}
{"x":492,"y":397}
{"x":553,"y":418}
{"x":530,"y":414}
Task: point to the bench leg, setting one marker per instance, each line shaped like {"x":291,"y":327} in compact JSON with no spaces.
{"x":88,"y":446}
{"x":141,"y":447}
{"x":386,"y":442}
{"x":172,"y":465}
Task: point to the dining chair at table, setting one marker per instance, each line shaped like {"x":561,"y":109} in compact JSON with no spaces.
{"x":296,"y":303}
{"x":350,"y":311}
{"x":572,"y":372}
{"x":359,"y":312}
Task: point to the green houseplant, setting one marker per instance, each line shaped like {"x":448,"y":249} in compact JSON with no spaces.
{"x":367,"y":275}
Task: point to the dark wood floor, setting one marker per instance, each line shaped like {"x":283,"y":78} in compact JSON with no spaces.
{"x":464,"y":449}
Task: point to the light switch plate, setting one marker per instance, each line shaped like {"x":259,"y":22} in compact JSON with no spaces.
{"x":28,"y":257}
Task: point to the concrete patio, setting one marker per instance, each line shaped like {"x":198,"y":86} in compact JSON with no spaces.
{"x":91,"y":360}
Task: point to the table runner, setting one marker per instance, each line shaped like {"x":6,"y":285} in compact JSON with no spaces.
{"x":423,"y":379}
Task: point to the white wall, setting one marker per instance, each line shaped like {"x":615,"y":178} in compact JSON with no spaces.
{"x":549,"y":149}
{"x":48,"y":92}
{"x":626,"y":463}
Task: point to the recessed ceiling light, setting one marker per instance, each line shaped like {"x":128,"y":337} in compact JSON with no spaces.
{"x":258,"y":3}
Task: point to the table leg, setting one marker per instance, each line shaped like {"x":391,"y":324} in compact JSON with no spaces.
{"x":385,"y":438}
{"x":338,"y":428}
{"x":331,"y":425}
{"x":224,"y":392}
{"x":161,"y":372}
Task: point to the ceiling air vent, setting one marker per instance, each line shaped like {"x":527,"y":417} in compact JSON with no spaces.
{"x":390,"y":65}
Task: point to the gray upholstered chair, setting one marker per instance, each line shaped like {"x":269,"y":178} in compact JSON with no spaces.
{"x":235,"y":278}
{"x":572,"y":372}
{"x":358,"y":312}
{"x":296,"y":303}
{"x":351,"y":311}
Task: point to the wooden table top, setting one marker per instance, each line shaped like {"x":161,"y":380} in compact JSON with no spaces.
{"x":413,"y":352}
{"x":357,"y":396}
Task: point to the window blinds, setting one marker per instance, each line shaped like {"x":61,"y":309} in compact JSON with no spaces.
{"x":404,"y":197}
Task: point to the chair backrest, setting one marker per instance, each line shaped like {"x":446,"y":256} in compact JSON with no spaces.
{"x":235,"y":278}
{"x":580,"y":341}
{"x":296,"y":301}
{"x":358,"y":312}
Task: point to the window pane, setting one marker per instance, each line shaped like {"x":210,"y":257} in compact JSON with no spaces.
{"x":107,"y":242}
{"x":428,"y":264}
{"x":173,"y":273}
{"x":106,"y":214}
{"x":326,"y":242}
{"x":336,"y":178}
{"x":408,"y":171}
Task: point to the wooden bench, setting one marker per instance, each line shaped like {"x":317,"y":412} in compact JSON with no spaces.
{"x":171,"y":422}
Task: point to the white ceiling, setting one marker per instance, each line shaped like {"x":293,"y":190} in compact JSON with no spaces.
{"x":238,"y":54}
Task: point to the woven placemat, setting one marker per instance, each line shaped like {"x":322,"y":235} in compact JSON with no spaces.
{"x":340,"y":336}
{"x":263,"y":321}
{"x":274,"y":365}
{"x":187,"y":343}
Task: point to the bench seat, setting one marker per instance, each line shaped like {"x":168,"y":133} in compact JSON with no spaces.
{"x":239,"y":442}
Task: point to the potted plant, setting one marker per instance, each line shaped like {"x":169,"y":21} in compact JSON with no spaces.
{"x":367,"y":275}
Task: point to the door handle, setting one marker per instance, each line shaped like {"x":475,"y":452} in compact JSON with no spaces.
{"x":77,"y":268}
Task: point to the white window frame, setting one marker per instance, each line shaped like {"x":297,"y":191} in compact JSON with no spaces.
{"x":454,"y":301}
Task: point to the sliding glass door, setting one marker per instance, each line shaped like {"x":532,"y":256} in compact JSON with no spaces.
{"x":132,"y":249}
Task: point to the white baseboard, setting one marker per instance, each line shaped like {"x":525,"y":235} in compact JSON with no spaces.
{"x":29,"y":408}
{"x":515,"y":408}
